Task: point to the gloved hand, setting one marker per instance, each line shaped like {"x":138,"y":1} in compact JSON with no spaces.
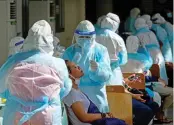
{"x":93,"y":65}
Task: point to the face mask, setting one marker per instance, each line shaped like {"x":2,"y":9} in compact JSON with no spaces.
{"x":85,"y":44}
{"x":77,"y":80}
{"x":169,"y":15}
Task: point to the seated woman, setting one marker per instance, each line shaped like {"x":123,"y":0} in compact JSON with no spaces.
{"x":81,"y":110}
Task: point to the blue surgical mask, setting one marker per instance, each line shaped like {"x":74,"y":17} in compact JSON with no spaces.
{"x":85,"y":44}
{"x":169,"y":15}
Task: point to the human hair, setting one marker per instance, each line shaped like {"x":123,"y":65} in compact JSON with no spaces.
{"x":66,"y":62}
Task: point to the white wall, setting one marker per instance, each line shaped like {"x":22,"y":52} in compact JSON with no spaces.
{"x":74,"y":13}
{"x":3,"y":32}
{"x":8,"y":29}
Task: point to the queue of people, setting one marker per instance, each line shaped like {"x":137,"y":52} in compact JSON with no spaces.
{"x":34,"y":82}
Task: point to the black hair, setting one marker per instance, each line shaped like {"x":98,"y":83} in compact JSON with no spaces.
{"x":66,"y":62}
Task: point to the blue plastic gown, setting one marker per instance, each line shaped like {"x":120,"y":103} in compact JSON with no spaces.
{"x":138,"y":62}
{"x":110,"y":39}
{"x":162,"y":36}
{"x":93,"y":82}
{"x":141,"y":57}
{"x":14,"y":103}
{"x":169,"y":29}
{"x":129,"y":25}
{"x":154,"y":50}
{"x":97,"y":28}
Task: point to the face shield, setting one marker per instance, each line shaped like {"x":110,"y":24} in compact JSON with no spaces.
{"x":85,"y":40}
{"x":15,"y":45}
{"x":85,"y":35}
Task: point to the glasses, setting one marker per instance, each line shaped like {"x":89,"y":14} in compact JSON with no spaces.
{"x":85,"y":37}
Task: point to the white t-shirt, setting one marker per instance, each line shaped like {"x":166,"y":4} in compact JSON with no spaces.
{"x":72,"y":97}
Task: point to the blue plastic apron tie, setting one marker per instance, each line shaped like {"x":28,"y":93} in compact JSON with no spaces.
{"x":42,"y":105}
{"x":151,"y":46}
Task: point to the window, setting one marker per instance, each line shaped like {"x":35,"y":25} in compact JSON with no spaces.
{"x":60,"y":15}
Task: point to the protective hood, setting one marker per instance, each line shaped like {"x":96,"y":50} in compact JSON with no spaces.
{"x":158,"y":19}
{"x":100,"y":19}
{"x":135,"y":12}
{"x":15,"y":45}
{"x":39,"y":37}
{"x":85,"y":28}
{"x":114,"y":17}
{"x":132,"y":44}
{"x":109,"y":23}
{"x":147,"y":18}
{"x":140,"y":23}
{"x":85,"y":34}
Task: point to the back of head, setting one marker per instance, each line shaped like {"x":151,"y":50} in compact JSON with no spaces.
{"x":147,"y":18}
{"x":157,"y":18}
{"x":15,"y":45}
{"x":109,"y":23}
{"x":135,"y":12}
{"x":114,"y":17}
{"x":39,"y":37}
{"x":132,"y":44}
{"x":140,"y":23}
{"x":100,"y":19}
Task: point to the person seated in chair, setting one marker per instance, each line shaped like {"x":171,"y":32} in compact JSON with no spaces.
{"x":160,"y":86}
{"x":81,"y":110}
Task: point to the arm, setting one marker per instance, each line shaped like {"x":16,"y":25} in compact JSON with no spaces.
{"x":103,"y":72}
{"x":63,"y":75}
{"x":122,"y":52}
{"x":4,"y":73}
{"x":84,"y":117}
{"x":136,"y":96}
{"x":68,"y":54}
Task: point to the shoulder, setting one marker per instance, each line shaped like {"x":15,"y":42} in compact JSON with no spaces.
{"x":72,"y":97}
{"x":70,"y":48}
{"x":102,"y":32}
{"x":99,"y":47}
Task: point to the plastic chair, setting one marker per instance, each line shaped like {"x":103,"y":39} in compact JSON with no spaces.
{"x":65,"y":120}
{"x":155,"y":70}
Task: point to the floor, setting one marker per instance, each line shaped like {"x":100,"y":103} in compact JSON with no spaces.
{"x":169,"y":115}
